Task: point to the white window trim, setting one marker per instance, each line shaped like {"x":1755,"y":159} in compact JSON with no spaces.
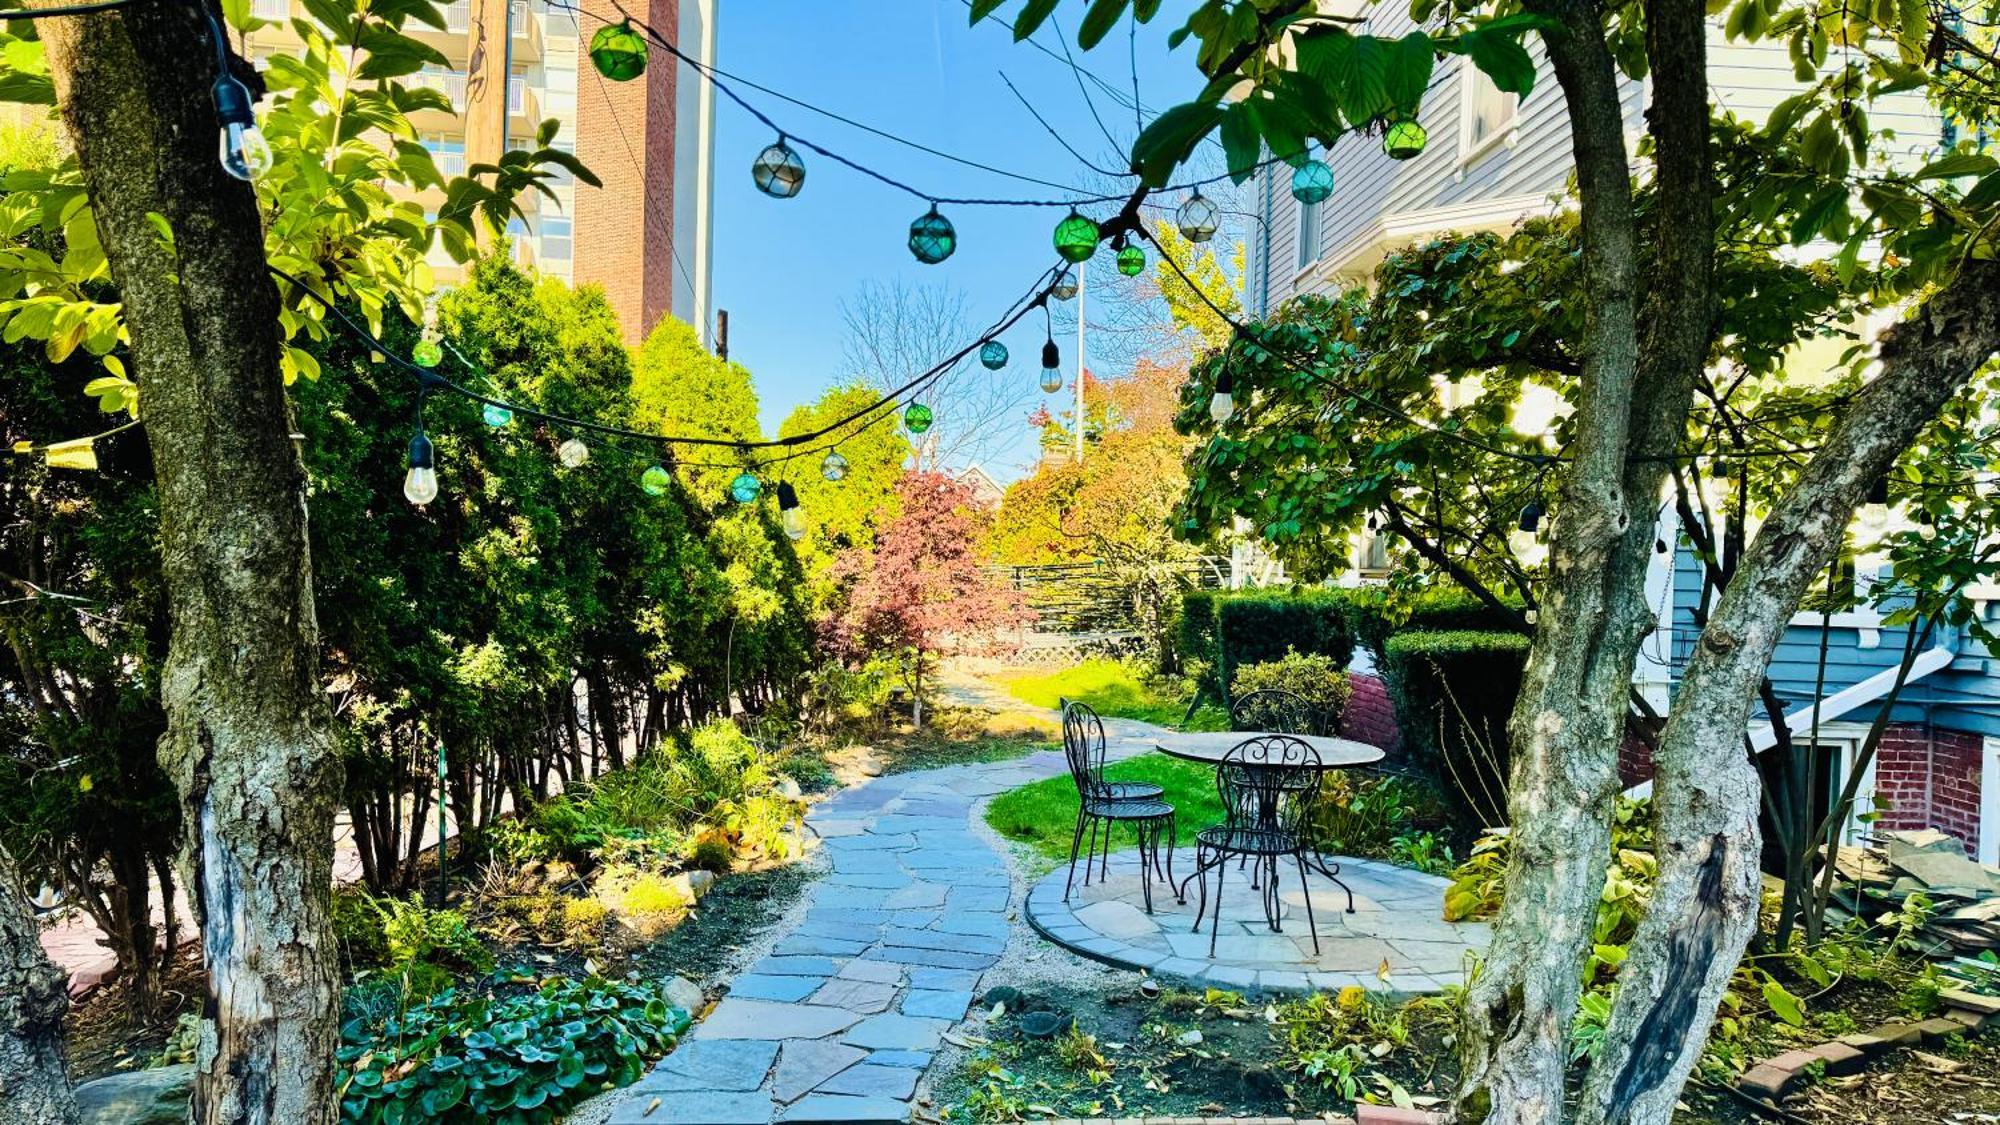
{"x":1845,"y":738}
{"x":1503,"y":133}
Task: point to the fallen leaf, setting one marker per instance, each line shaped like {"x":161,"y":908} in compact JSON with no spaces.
{"x":650,"y":1107}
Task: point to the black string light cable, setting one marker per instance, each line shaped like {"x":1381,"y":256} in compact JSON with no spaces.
{"x":429,"y":379}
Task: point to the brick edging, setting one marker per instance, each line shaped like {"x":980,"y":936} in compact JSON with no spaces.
{"x":1770,"y":1080}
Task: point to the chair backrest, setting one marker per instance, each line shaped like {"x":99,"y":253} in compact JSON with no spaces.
{"x":1269,"y":783}
{"x":1083,"y":746}
{"x":1274,"y":711}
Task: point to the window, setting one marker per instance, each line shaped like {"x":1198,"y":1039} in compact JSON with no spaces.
{"x":556,"y":238}
{"x":1486,"y":113}
{"x":517,"y":92}
{"x":559,"y":175}
{"x":448,"y":152}
{"x":271,"y":9}
{"x":458,"y":16}
{"x":450,"y":82}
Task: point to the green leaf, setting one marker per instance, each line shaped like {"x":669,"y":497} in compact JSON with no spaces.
{"x":1957,"y":164}
{"x":1408,"y":75}
{"x":1784,"y":1004}
{"x":1242,"y":142}
{"x":1502,"y":58}
{"x":1171,"y":137}
{"x":1098,"y":20}
{"x":983,"y":8}
{"x":1033,"y":14}
{"x":1818,"y":213}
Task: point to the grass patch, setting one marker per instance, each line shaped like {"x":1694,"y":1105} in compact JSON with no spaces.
{"x":954,"y":736}
{"x":1115,"y":690}
{"x":1043,"y":815}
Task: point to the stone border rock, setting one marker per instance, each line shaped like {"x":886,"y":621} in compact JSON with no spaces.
{"x":1772,"y":1079}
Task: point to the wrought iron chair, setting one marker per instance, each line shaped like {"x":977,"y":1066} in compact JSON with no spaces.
{"x":1268,"y":788}
{"x":1274,"y":711}
{"x":1103,"y":804}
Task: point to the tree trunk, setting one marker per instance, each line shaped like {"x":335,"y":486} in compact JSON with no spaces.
{"x":246,"y":741}
{"x":34,"y":995}
{"x":1570,"y":715}
{"x":1704,"y":904}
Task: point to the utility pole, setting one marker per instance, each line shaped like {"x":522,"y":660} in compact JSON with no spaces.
{"x":488,"y":73}
{"x":722,"y":333}
{"x":1080,"y":268}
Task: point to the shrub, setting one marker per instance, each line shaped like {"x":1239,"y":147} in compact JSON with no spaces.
{"x":1376,"y":613}
{"x":1221,"y":632}
{"x":584,"y":915}
{"x":357,"y":925}
{"x":524,"y":1058}
{"x":416,"y":934}
{"x":1363,"y":816}
{"x":1318,"y":679}
{"x":711,"y":855}
{"x":647,"y":902}
{"x":1453,"y":693}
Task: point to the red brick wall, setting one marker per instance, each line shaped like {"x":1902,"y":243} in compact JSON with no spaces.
{"x":1635,"y":760}
{"x":1370,"y":717}
{"x":1930,"y":778}
{"x":625,"y":135}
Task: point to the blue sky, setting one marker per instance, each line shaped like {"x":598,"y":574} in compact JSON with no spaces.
{"x":913,"y":68}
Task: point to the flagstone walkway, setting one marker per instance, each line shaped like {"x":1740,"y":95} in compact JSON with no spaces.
{"x":840,"y":1020}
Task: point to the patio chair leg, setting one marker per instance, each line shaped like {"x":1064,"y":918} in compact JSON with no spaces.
{"x":1090,"y":851}
{"x":1200,"y":877}
{"x":1312,"y":927}
{"x":1144,"y":831}
{"x":1215,"y":923}
{"x":1272,"y":905}
{"x":1104,"y":859}
{"x":1075,"y":841}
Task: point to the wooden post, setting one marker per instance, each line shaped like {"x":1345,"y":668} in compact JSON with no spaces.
{"x":488,"y":70}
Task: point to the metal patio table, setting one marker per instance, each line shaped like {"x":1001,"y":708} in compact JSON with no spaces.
{"x":1211,"y":747}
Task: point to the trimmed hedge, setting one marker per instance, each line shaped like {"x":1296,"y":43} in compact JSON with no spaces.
{"x":1226,"y":631}
{"x":1453,"y":692}
{"x":1375,"y":613}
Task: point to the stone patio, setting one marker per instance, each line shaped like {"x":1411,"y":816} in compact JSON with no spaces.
{"x":1396,"y":921}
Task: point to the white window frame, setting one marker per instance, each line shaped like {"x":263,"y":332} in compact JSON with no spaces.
{"x":1470,"y":80}
{"x":1845,"y":739}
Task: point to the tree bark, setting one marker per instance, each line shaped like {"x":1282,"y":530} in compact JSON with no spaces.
{"x":34,"y":996}
{"x":1704,"y":904}
{"x":246,"y":742}
{"x":1570,"y":716}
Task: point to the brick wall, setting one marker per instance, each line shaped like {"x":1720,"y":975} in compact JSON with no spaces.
{"x":1635,"y":759}
{"x":1930,"y":778}
{"x":625,"y":135}
{"x":1370,"y":717}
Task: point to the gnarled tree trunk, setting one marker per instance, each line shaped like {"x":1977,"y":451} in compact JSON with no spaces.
{"x":246,"y":742}
{"x":1704,"y":904}
{"x":34,"y":996}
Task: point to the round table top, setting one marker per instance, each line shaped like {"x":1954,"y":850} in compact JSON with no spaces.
{"x":1213,"y":746}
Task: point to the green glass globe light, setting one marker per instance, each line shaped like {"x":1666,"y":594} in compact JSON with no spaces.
{"x":427,"y":353}
{"x":1196,"y":218}
{"x":746,"y":488}
{"x":572,"y":453}
{"x":1131,"y":261}
{"x":1076,"y":238}
{"x":655,"y":481}
{"x":778,"y":171}
{"x":496,"y":415}
{"x":932,"y":238}
{"x":917,"y":418}
{"x":834,"y":466}
{"x":1065,"y":287}
{"x":1405,"y":139}
{"x":1312,"y":181}
{"x":618,"y":51}
{"x":993,"y":355}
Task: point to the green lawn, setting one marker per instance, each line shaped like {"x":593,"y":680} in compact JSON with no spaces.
{"x":1114,"y":690}
{"x":1043,"y":815}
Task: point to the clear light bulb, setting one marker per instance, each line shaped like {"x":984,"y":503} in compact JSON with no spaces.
{"x":573,"y":453}
{"x":245,"y":153}
{"x":1052,"y":379}
{"x":420,"y":484}
{"x":1221,"y":406}
{"x":794,"y":522}
{"x":1527,"y":547}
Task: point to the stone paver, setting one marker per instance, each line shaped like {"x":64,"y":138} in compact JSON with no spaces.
{"x":840,"y":1021}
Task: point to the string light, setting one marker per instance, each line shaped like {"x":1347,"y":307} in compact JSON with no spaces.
{"x":746,"y":488}
{"x":496,"y":415}
{"x":932,"y":238}
{"x":833,"y":467}
{"x":1312,"y":182}
{"x":1052,"y":378}
{"x":655,"y":481}
{"x":1404,"y":140}
{"x":1196,"y":218}
{"x":993,"y":355}
{"x":573,"y":453}
{"x":789,"y":516}
{"x":917,"y":418}
{"x":1524,"y":541}
{"x":1076,"y":238}
{"x":245,"y":153}
{"x":618,"y":52}
{"x":429,"y":352}
{"x":420,"y":484}
{"x":778,"y":171}
{"x":1222,"y":404}
{"x":1065,"y":287}
{"x":1131,"y":261}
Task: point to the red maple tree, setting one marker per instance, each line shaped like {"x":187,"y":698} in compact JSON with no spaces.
{"x":922,"y":591}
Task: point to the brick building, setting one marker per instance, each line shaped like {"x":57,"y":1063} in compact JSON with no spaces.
{"x":643,"y":236}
